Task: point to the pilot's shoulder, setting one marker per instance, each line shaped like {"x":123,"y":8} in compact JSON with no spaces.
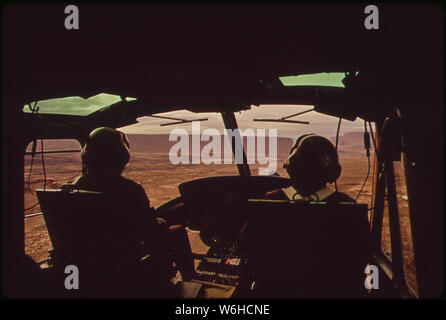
{"x":132,"y":189}
{"x":129,"y":182}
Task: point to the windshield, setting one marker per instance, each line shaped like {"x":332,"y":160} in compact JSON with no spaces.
{"x":73,"y":105}
{"x":329,"y":79}
{"x":161,"y":158}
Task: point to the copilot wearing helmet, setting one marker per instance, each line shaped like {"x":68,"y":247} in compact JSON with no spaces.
{"x":313,"y":162}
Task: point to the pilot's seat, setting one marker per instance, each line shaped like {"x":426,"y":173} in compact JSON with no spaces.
{"x":308,"y":250}
{"x":87,"y":230}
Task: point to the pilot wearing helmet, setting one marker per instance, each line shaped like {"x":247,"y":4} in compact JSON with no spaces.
{"x":104,"y":157}
{"x":311,"y":165}
{"x":313,"y":162}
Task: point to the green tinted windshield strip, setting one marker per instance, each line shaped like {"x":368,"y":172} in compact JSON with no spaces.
{"x":75,"y":105}
{"x":330,"y":79}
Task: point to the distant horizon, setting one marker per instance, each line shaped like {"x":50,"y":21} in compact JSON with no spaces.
{"x":288,"y":137}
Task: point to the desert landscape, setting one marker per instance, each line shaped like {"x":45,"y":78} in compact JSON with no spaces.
{"x":150,"y":166}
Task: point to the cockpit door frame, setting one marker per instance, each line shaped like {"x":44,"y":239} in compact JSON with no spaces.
{"x":385,"y":190}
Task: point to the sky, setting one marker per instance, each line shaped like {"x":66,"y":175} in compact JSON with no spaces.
{"x":320,"y":124}
{"x":75,"y":105}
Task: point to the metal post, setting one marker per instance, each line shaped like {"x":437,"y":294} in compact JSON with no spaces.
{"x":378,"y":201}
{"x":394,"y":224}
{"x":231,"y":124}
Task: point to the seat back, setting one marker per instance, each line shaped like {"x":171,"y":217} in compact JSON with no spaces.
{"x":80,"y":223}
{"x":88,"y":229}
{"x":309,"y":250}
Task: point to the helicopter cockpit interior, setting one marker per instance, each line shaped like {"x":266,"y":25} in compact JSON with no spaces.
{"x":228,"y":59}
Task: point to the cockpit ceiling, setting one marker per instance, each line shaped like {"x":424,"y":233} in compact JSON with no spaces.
{"x":199,"y":56}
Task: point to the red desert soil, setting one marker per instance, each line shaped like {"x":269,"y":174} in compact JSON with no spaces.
{"x":150,"y":166}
